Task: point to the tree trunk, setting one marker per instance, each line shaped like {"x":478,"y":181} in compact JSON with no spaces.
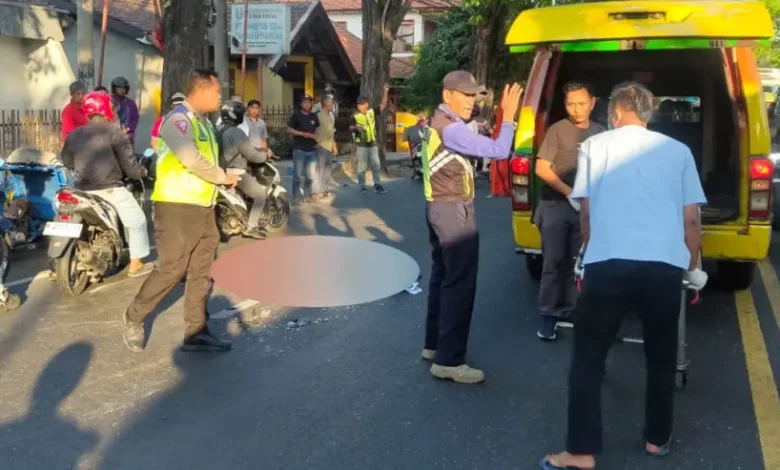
{"x":184,"y":25}
{"x":490,"y":31}
{"x":381,"y":19}
{"x":85,"y":44}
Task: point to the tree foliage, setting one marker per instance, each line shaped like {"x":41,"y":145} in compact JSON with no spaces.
{"x":769,"y":56}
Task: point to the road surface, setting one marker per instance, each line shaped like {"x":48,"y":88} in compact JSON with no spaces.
{"x":344,"y":388}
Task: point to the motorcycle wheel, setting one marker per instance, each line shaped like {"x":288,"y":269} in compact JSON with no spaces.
{"x":279,"y":214}
{"x":70,"y":279}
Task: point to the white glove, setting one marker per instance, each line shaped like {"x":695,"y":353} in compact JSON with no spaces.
{"x":579,"y":267}
{"x":574,"y":203}
{"x":696,"y":278}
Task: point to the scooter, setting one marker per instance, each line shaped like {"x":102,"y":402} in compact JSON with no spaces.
{"x":233,"y":205}
{"x":87,"y":239}
{"x":415,"y":160}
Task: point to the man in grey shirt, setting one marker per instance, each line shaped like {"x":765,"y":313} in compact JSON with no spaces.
{"x":254,"y":126}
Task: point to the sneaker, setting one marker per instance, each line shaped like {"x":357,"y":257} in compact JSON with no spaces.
{"x":379,"y":189}
{"x":206,"y":342}
{"x":133,"y":335}
{"x":549,"y":329}
{"x":462,"y":374}
{"x":429,"y":354}
{"x":363,"y":189}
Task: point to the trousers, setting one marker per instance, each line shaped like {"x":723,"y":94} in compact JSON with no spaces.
{"x":452,"y":230}
{"x":187,"y":238}
{"x":654,"y":291}
{"x":323,"y":171}
{"x":259,"y":194}
{"x":304,"y":164}
{"x":132,"y":217}
{"x":368,"y":156}
{"x":559,"y":225}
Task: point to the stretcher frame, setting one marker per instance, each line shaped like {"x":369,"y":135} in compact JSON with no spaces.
{"x":682,"y":363}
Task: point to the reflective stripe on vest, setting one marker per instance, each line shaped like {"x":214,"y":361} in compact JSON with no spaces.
{"x":174,"y":182}
{"x":368,"y":121}
{"x":447,"y":175}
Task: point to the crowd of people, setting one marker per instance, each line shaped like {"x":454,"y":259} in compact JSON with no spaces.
{"x":589,"y":215}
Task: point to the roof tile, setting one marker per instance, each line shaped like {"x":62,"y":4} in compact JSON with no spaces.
{"x":399,"y":68}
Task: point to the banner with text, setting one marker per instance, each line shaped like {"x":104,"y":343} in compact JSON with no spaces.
{"x":268,"y":29}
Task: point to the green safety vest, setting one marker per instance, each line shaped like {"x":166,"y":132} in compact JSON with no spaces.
{"x":174,"y":182}
{"x":447,"y":175}
{"x":368,"y":121}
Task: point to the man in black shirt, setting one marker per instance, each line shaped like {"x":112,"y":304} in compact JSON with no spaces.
{"x":302,"y":126}
{"x":556,"y":215}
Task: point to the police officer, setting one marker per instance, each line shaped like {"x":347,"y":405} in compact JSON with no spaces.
{"x":556,"y":216}
{"x":452,"y":228}
{"x":185,"y":227}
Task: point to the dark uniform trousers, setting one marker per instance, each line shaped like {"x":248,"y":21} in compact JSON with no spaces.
{"x":187,"y":238}
{"x":610,"y":288}
{"x":452,"y":229}
{"x":559,"y":225}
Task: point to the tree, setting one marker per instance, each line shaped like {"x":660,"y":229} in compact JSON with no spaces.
{"x":184,"y":28}
{"x":381,"y":19}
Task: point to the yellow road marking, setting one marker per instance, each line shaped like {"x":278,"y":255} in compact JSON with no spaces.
{"x":772,"y":286}
{"x":763,"y":388}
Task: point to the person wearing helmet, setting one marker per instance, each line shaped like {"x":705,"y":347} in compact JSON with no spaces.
{"x":100,"y":157}
{"x":176,"y":99}
{"x":126,"y":109}
{"x":237,"y":152}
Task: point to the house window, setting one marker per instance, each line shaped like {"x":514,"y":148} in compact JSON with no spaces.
{"x":404,"y":39}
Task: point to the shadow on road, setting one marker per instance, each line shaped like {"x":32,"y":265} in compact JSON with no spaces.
{"x":44,"y":438}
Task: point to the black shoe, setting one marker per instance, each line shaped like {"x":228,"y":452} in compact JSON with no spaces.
{"x":549,"y":329}
{"x":206,"y":342}
{"x":133,"y":335}
{"x":363,"y":189}
{"x":379,"y":189}
{"x":255,"y":233}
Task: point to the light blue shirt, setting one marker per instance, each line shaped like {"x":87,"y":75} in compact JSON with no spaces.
{"x":637,"y":181}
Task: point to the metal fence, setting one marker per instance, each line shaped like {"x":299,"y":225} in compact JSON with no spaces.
{"x":276,"y":118}
{"x":39,"y":128}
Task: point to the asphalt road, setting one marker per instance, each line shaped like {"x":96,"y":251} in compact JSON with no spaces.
{"x":344,"y":388}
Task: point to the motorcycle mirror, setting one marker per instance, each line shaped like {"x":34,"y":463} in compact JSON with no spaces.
{"x":149,"y":153}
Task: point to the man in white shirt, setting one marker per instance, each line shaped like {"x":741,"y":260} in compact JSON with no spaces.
{"x":639,"y":194}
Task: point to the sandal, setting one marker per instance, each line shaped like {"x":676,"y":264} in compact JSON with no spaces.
{"x":662,"y":452}
{"x":142,"y":271}
{"x":545,"y":464}
{"x":296,"y":202}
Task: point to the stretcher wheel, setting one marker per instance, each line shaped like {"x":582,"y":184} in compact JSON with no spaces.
{"x":681,"y":379}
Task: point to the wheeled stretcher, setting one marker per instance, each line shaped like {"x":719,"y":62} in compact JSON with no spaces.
{"x":681,"y":377}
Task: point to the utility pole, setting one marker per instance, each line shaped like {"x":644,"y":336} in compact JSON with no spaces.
{"x":84,"y":27}
{"x":221,"y":53}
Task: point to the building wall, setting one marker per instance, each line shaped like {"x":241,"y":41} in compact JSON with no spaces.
{"x":276,"y":92}
{"x":140,"y":64}
{"x":354,"y":22}
{"x":36,"y":74}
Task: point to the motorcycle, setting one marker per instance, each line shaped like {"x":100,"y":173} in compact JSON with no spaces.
{"x":87,"y":240}
{"x":233,"y":205}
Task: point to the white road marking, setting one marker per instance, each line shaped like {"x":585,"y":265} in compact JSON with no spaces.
{"x":230,"y":311}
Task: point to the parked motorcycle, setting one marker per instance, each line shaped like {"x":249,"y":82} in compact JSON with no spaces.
{"x":233,"y":205}
{"x":87,"y":239}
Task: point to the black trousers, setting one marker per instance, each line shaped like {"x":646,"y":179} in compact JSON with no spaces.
{"x":559,"y":225}
{"x":454,"y":238}
{"x":610,"y":288}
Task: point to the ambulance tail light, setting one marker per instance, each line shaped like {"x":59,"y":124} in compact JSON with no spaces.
{"x":520,"y":173}
{"x":760,"y":204}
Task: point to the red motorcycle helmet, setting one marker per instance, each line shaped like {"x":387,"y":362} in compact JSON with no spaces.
{"x":98,"y":103}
